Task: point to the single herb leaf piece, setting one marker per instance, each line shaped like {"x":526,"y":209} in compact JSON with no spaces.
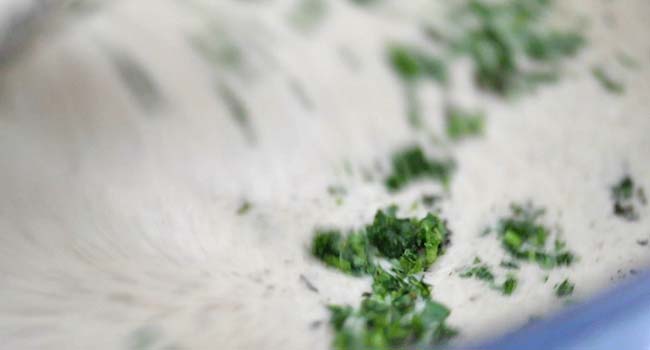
{"x":564,"y":289}
{"x":509,"y":285}
{"x":606,"y":81}
{"x":411,"y":164}
{"x":411,"y":63}
{"x":244,"y":208}
{"x":463,"y":123}
{"x":624,"y":193}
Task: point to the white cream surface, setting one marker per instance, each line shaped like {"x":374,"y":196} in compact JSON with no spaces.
{"x":118,"y":224}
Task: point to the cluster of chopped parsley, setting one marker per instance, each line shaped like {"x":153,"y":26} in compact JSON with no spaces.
{"x":511,"y":46}
{"x":510,"y":43}
{"x":527,"y":239}
{"x":411,"y":164}
{"x":626,"y":194}
{"x":512,"y":49}
{"x":399,"y":311}
{"x":482,"y":271}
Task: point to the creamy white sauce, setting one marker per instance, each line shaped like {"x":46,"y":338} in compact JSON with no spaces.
{"x":118,"y":225}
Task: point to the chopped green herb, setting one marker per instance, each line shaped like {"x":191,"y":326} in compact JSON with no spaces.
{"x":244,"y":208}
{"x":412,"y":64}
{"x":385,"y":323}
{"x":553,"y":45}
{"x":624,"y":194}
{"x":606,"y":81}
{"x":411,"y":164}
{"x":462,"y":123}
{"x":482,"y":271}
{"x":509,"y":285}
{"x":510,"y":44}
{"x":338,"y":315}
{"x":564,"y":289}
{"x":399,"y":311}
{"x":429,"y":200}
{"x":415,"y":243}
{"x":509,"y":265}
{"x":525,"y":238}
{"x":349,"y":254}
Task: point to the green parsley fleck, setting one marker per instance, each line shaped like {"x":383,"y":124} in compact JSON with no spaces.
{"x":244,"y":208}
{"x":411,"y":164}
{"x":510,"y":44}
{"x":412,"y":64}
{"x":606,"y":81}
{"x":564,"y":289}
{"x":462,"y":123}
{"x":623,"y":194}
{"x":416,"y":243}
{"x":430,"y":200}
{"x":511,"y":265}
{"x":509,"y":285}
{"x":482,"y":271}
{"x":412,"y":244}
{"x":349,"y":254}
